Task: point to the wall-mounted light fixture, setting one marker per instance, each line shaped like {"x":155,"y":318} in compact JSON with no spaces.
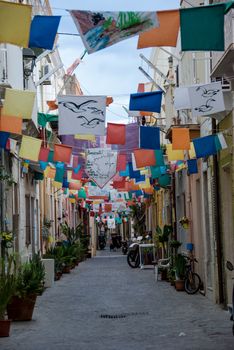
{"x":29,"y":58}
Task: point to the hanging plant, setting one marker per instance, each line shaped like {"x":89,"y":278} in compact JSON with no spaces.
{"x":184,"y":221}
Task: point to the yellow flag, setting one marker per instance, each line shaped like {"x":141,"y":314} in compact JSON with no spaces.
{"x":174,"y":155}
{"x":50,"y":172}
{"x":30,"y":148}
{"x":57,"y":184}
{"x":87,"y":137}
{"x":15,"y":21}
{"x":145,"y":184}
{"x":72,"y":200}
{"x":19,"y":103}
{"x":192,"y":153}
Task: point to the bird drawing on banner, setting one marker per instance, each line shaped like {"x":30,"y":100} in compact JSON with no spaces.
{"x":207,"y":93}
{"x":77,"y":108}
{"x":206,"y":107}
{"x":90,"y":123}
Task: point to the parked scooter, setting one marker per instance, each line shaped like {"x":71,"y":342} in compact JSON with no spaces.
{"x":230,"y":267}
{"x":133,"y":257}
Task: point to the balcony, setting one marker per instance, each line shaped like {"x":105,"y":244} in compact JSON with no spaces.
{"x":223,"y":62}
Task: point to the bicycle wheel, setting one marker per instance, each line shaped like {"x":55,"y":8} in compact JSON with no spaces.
{"x":133,"y":259}
{"x":192,"y":283}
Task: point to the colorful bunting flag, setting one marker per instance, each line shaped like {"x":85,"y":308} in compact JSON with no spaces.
{"x":150,"y":137}
{"x":62,"y":153}
{"x":60,"y":169}
{"x":82,"y":193}
{"x":38,"y":176}
{"x":205,"y":146}
{"x":99,"y":30}
{"x":166,"y":34}
{"x":192,"y":166}
{"x":133,"y":174}
{"x":146,"y":101}
{"x":121,"y":162}
{"x":15,"y":22}
{"x":221,"y":140}
{"x":155,"y":172}
{"x":18,"y":103}
{"x":44,"y":154}
{"x":43,"y":165}
{"x":30,"y":148}
{"x":82,"y":115}
{"x":43,"y":119}
{"x":174,"y":155}
{"x":101,"y":165}
{"x":87,"y":137}
{"x":116,"y":134}
{"x":164,"y":180}
{"x":51,"y":156}
{"x":50,"y":172}
{"x":192,"y":153}
{"x":202,"y":28}
{"x":125,"y":172}
{"x":144,"y":158}
{"x":180,"y":139}
{"x":11,"y":124}
{"x":75,"y":186}
{"x":76,"y":175}
{"x":159,"y":157}
{"x":43,"y":31}
{"x":4,"y":136}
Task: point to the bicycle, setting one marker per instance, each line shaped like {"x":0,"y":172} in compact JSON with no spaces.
{"x":192,"y":279}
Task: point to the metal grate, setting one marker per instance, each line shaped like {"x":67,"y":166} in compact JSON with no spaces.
{"x":123,"y":315}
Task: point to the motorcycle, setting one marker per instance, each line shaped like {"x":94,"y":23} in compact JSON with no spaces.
{"x":124,"y":247}
{"x":102,"y":242}
{"x":133,"y":256}
{"x":230,"y":267}
{"x":115,"y":242}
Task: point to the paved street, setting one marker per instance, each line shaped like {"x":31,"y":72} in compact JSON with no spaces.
{"x":105,"y":305}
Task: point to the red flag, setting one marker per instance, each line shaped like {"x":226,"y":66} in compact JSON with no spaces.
{"x":44,"y":154}
{"x":121,"y":162}
{"x":62,"y":153}
{"x":116,"y":134}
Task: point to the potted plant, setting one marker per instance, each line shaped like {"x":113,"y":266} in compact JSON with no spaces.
{"x":184,"y":221}
{"x":7,"y":288}
{"x":180,"y":266}
{"x":29,"y":284}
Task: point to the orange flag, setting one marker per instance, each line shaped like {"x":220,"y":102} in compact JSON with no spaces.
{"x":11,"y":124}
{"x":180,"y":139}
{"x":62,"y":153}
{"x":164,"y":35}
{"x":144,"y":157}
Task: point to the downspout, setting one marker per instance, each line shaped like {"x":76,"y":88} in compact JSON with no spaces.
{"x":217,"y":220}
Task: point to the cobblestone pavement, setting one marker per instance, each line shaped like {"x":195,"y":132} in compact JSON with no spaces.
{"x":149,"y":315}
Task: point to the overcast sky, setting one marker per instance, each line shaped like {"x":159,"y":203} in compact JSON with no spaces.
{"x":112,"y":71}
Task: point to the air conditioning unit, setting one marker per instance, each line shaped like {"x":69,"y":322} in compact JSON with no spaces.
{"x":226,"y":85}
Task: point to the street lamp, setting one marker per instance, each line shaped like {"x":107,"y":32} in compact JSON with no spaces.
{"x":29,"y":58}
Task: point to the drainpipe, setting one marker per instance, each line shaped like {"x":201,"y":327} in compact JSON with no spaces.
{"x":217,"y":220}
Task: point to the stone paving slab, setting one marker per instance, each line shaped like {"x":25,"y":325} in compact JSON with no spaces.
{"x":149,"y":315}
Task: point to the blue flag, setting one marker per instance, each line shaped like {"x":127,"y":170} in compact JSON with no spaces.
{"x":192,"y":166}
{"x":43,"y":31}
{"x":150,"y":138}
{"x":205,"y":146}
{"x":4,"y":136}
{"x":146,"y":101}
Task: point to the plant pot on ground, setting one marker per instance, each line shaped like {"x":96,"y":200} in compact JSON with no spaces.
{"x":29,"y":284}
{"x":180,"y":266}
{"x":7,"y":288}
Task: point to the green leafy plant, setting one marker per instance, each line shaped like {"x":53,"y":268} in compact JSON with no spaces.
{"x":180,"y":266}
{"x":7,"y":283}
{"x":7,"y":239}
{"x":72,"y":234}
{"x":138,"y":216}
{"x":30,"y":277}
{"x":163,"y":236}
{"x":175,"y":244}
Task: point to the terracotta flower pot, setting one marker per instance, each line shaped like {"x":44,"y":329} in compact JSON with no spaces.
{"x":179,"y":285}
{"x":5,"y":328}
{"x":66,"y":269}
{"x":21,"y":309}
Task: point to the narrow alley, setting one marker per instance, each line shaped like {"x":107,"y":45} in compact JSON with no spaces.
{"x":104,"y":304}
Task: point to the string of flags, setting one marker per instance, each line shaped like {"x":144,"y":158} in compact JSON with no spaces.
{"x":120,"y":162}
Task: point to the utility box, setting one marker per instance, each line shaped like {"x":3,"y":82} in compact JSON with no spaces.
{"x":49,"y":272}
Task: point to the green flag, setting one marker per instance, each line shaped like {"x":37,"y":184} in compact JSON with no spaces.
{"x":202,"y":28}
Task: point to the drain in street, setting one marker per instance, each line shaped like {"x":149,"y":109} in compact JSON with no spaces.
{"x":123,"y":315}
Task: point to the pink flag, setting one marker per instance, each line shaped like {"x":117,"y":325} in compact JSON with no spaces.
{"x":74,"y":65}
